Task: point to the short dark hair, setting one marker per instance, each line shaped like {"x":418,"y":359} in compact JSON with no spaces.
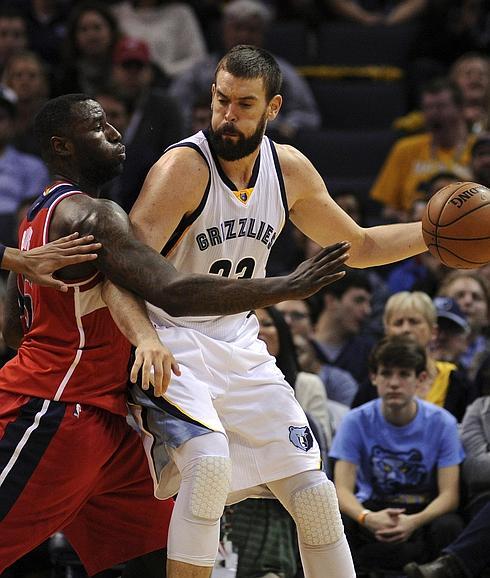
{"x":246,"y":61}
{"x":437,"y":85}
{"x":398,"y":351}
{"x":56,"y":116}
{"x":352,"y":278}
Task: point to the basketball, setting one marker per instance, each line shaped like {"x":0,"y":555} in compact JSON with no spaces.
{"x":456,"y":225}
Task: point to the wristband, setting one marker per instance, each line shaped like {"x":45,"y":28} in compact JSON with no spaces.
{"x":362,"y":517}
{"x":2,"y":251}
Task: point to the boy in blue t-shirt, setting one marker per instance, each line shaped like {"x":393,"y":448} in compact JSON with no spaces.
{"x":397,"y":465}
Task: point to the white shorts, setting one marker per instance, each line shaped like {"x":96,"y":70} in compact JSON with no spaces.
{"x":230,"y":387}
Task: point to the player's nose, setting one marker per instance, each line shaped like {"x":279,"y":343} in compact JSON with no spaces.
{"x":113,"y":134}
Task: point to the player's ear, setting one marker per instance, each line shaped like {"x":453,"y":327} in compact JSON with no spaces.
{"x":274,"y":107}
{"x":61,"y":146}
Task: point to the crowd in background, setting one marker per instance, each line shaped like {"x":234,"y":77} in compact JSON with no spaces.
{"x":150,"y":64}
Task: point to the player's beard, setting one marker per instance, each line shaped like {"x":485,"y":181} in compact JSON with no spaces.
{"x":244,"y":146}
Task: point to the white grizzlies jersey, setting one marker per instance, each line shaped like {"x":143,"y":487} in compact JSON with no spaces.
{"x":231,"y":233}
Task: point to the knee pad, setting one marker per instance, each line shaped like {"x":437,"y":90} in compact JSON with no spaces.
{"x":317,"y":515}
{"x":210,"y":486}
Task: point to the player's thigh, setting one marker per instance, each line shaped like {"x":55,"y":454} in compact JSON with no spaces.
{"x":122,"y":513}
{"x":50,"y":456}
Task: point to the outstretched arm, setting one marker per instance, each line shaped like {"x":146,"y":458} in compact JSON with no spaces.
{"x":315,"y":213}
{"x":39,"y":264}
{"x":133,"y":265}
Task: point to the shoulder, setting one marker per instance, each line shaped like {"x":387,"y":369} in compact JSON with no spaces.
{"x":308,"y":380}
{"x":436,"y":414}
{"x":87,"y":215}
{"x":182,"y":161}
{"x":412,"y":143}
{"x":293,"y":162}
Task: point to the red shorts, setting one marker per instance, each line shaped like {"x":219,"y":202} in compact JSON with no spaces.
{"x":78,"y":469}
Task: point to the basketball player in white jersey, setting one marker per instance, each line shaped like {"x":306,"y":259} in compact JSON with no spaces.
{"x":229,"y":427}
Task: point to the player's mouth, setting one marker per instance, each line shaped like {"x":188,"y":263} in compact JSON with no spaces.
{"x":121,"y":152}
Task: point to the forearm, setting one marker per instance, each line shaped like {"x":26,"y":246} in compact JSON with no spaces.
{"x":348,"y":503}
{"x":11,"y":259}
{"x":405,"y":11}
{"x":129,"y":313}
{"x":444,"y":503}
{"x":387,"y":244}
{"x":155,"y":280}
{"x":350,"y":10}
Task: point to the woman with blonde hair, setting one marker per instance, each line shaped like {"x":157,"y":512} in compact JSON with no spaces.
{"x":413,"y":313}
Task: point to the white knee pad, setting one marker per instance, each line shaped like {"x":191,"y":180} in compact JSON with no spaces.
{"x":317,"y":515}
{"x":210,"y":486}
{"x":205,"y":469}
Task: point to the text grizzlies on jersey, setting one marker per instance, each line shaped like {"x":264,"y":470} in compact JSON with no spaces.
{"x":235,"y":228}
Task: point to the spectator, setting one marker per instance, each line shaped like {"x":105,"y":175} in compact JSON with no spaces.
{"x":92,"y":33}
{"x":246,"y":22}
{"x":13,"y":34}
{"x":154,"y":117}
{"x":467,"y":557}
{"x":171,"y":30}
{"x":422,"y":272}
{"x":444,"y":384}
{"x":46,"y":28}
{"x":453,"y":330}
{"x":397,"y":465}
{"x":337,"y":338}
{"x":475,"y":434}
{"x":414,"y":159}
{"x":201,"y":113}
{"x":378,"y":13}
{"x":480,"y":159}
{"x":472,"y":295}
{"x":26,"y":75}
{"x":471,"y":72}
{"x":22,"y":176}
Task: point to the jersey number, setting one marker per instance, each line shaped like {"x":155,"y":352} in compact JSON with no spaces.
{"x":243,"y":270}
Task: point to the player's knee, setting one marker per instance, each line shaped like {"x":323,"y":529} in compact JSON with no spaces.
{"x":210,"y":486}
{"x":316,"y":513}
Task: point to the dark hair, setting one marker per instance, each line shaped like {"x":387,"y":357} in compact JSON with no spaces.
{"x":425,"y":187}
{"x":56,"y":116}
{"x":71,"y":51}
{"x":398,"y":351}
{"x":245,"y":61}
{"x":437,"y":85}
{"x":352,"y":278}
{"x":287,"y":357}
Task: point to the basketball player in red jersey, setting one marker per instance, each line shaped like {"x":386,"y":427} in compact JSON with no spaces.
{"x":68,"y":460}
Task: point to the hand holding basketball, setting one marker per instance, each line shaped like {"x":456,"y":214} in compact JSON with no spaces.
{"x":456,"y":225}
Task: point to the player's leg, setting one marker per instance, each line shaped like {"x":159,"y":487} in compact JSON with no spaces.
{"x":48,"y":460}
{"x":311,"y":500}
{"x":205,"y":469}
{"x":122,"y":521}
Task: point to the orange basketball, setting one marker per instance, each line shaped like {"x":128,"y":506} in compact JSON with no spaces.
{"x":456,"y":225}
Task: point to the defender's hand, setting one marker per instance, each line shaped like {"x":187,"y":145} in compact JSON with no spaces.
{"x":39,"y":264}
{"x":322,"y":269}
{"x":153,"y":355}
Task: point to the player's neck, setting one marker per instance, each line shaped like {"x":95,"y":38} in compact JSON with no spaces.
{"x":240,"y":171}
{"x":83,"y":184}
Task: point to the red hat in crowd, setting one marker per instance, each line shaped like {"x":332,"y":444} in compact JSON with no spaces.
{"x":131,"y":49}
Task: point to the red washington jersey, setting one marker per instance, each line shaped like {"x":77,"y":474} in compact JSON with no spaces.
{"x":72,"y":350}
